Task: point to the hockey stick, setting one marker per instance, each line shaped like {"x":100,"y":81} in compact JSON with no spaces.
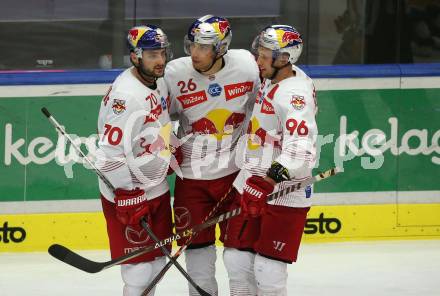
{"x":270,"y":197}
{"x":161,"y":273}
{"x":58,"y":127}
{"x":144,"y":224}
{"x":172,"y":260}
{"x":70,"y":257}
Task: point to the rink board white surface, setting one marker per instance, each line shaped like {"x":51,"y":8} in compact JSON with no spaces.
{"x":392,"y":268}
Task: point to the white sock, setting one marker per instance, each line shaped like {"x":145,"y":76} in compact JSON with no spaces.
{"x":240,"y":267}
{"x":271,"y":276}
{"x":200,"y":265}
{"x":136,"y":277}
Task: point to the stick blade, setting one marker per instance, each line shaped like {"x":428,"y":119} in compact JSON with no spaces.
{"x":67,"y":256}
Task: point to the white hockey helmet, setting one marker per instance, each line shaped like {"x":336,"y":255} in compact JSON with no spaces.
{"x":209,"y":29}
{"x":280,"y":39}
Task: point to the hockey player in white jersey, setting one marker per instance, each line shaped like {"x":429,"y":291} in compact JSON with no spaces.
{"x":280,"y":152}
{"x":134,"y":128}
{"x":211,"y":91}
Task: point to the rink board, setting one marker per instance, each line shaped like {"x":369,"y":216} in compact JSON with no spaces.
{"x":325,"y":224}
{"x":38,"y":165}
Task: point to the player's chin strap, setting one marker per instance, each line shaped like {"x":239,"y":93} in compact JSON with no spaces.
{"x":214,"y":60}
{"x":277,"y":69}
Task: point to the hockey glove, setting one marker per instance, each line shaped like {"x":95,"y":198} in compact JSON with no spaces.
{"x":255,"y":191}
{"x":131,"y":206}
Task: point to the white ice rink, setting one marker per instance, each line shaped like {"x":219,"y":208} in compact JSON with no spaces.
{"x":399,"y":268}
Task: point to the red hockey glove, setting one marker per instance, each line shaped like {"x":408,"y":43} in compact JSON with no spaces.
{"x":131,"y":206}
{"x":255,"y":191}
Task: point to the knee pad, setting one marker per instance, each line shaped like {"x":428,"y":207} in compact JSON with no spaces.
{"x":271,"y":276}
{"x":200,"y":265}
{"x":240,"y":267}
{"x":136,"y":277}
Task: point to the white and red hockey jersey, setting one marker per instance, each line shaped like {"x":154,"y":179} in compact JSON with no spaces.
{"x":282,"y":128}
{"x":134,"y":132}
{"x":212,"y":111}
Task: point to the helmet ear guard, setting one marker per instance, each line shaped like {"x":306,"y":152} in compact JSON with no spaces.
{"x":138,"y":51}
{"x":222,"y":46}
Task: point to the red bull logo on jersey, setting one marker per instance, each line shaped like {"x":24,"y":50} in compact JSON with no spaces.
{"x":234,"y":120}
{"x":118,"y":106}
{"x":218,"y":123}
{"x":258,"y":136}
{"x":298,"y":102}
{"x":193,"y":99}
{"x":204,"y":126}
{"x":157,"y":142}
{"x":264,"y":137}
{"x":238,"y":89}
{"x":158,"y":145}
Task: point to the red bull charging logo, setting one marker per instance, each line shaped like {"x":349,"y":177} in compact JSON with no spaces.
{"x":297,"y":102}
{"x":160,"y":145}
{"x":290,"y":37}
{"x":118,"y":106}
{"x":133,"y":34}
{"x":223,"y":26}
{"x":287,"y":37}
{"x":218,"y":123}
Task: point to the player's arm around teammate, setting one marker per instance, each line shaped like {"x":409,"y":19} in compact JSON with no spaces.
{"x":134,"y":128}
{"x":280,"y":151}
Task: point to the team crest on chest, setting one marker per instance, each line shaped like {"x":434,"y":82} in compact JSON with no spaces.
{"x":118,"y":106}
{"x":298,"y":102}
